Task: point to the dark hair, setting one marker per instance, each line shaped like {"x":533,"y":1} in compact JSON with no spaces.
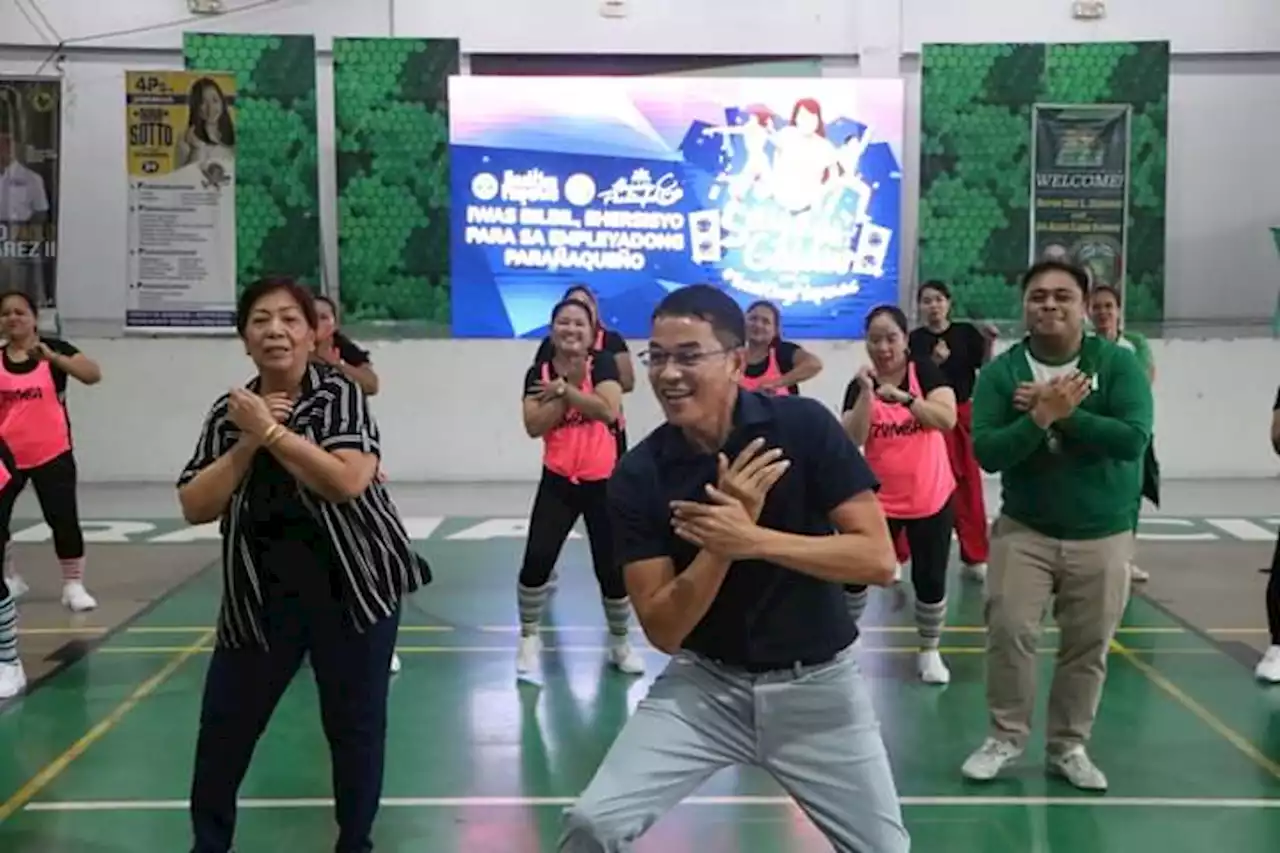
{"x":24,"y":296}
{"x":1050,"y":265}
{"x":321,"y":298}
{"x":571,"y":303}
{"x":578,"y":288}
{"x":893,"y":312}
{"x":772,"y":309}
{"x":934,"y":285}
{"x":226,"y":127}
{"x":1106,"y":288}
{"x":265,"y":287}
{"x":712,"y":306}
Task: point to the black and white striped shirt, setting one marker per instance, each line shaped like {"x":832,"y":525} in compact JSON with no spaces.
{"x":375,"y":555}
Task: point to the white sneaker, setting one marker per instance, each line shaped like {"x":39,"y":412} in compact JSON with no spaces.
{"x":1269,"y":667}
{"x":17,"y":586}
{"x":395,"y":663}
{"x":1076,"y":767}
{"x":974,"y":571}
{"x":624,"y":657}
{"x":76,"y":598}
{"x":13,"y":679}
{"x":932,"y":669}
{"x":1138,"y":575}
{"x":528,"y":653}
{"x":989,"y":759}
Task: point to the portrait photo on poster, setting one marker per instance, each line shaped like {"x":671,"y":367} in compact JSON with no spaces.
{"x":30,"y":142}
{"x":787,"y":190}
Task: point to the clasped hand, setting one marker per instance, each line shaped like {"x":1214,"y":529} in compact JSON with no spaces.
{"x":727,"y":526}
{"x":546,"y":391}
{"x":1052,"y":401}
{"x":254,"y":414}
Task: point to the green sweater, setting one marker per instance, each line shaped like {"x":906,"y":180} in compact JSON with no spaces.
{"x":1081,"y":478}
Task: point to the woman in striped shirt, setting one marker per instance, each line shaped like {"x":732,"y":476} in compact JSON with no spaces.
{"x":315,"y":560}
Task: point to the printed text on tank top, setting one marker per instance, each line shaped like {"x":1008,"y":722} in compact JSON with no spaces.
{"x":910,"y":460}
{"x":772,"y":373}
{"x":579,"y":448}
{"x":33,"y":421}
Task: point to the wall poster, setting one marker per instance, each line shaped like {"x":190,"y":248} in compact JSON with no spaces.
{"x":1080,"y":188}
{"x":182,"y":201}
{"x":30,"y":142}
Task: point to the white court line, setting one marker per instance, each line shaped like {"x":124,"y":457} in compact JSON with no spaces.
{"x":520,"y":802}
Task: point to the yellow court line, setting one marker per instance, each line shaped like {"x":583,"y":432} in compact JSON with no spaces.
{"x":467,"y":650}
{"x":53,"y":769}
{"x":1206,"y":716}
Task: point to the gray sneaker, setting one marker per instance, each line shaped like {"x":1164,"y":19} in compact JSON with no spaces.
{"x":989,"y":759}
{"x":1076,"y":767}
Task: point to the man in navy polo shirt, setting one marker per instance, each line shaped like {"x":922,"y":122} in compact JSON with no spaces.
{"x":737,"y":521}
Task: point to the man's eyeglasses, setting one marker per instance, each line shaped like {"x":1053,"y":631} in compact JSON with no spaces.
{"x":684,"y":359}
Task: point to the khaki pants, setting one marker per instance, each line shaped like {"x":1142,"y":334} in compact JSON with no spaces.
{"x":1088,"y":581}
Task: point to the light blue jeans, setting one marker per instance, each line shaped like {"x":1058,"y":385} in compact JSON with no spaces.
{"x":812,"y":728}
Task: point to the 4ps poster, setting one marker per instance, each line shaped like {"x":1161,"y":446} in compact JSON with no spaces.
{"x":786,"y":190}
{"x":182,"y":235}
{"x":30,"y":123}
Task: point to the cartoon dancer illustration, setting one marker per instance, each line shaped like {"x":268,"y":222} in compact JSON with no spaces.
{"x":756,"y":132}
{"x":803,"y":158}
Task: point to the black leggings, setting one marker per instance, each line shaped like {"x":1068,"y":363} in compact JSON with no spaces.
{"x":556,"y":508}
{"x":930,"y":542}
{"x":1273,"y":597}
{"x":55,"y":485}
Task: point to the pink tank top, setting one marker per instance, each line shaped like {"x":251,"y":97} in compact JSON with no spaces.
{"x":910,"y":461}
{"x":32,"y":420}
{"x":578,"y":448}
{"x":772,"y":371}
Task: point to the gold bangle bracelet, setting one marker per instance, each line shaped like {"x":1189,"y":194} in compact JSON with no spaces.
{"x":272,"y":435}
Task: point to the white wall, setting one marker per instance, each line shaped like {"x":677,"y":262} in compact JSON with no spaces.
{"x":1223,"y":195}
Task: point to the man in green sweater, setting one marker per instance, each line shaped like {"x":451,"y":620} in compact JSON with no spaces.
{"x":1065,"y":419}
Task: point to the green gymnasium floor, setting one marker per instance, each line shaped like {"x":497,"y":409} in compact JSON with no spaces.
{"x":97,"y":758}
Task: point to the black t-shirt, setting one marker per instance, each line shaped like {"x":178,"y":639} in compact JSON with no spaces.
{"x":603,"y":369}
{"x":928,"y":374}
{"x":59,"y":346}
{"x":968,"y":352}
{"x":785,"y":352}
{"x":349,"y":352}
{"x":288,"y":542}
{"x":614,"y":344}
{"x":765,"y":615}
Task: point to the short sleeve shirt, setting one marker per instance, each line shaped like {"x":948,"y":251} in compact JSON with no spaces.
{"x":765,"y":616}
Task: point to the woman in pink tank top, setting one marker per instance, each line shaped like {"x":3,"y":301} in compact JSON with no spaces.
{"x":605,"y":340}
{"x":35,"y":426}
{"x":571,"y":401}
{"x":898,"y":409}
{"x":774,"y":366}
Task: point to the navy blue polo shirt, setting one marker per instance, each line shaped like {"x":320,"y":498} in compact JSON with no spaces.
{"x":765,"y":616}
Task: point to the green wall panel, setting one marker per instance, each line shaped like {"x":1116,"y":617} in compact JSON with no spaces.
{"x":277,"y":197}
{"x":975,"y":168}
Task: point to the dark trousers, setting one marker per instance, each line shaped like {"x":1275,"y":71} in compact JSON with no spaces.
{"x":930,"y":541}
{"x":556,"y":508}
{"x":1273,"y":597}
{"x":55,"y":485}
{"x":243,"y":686}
